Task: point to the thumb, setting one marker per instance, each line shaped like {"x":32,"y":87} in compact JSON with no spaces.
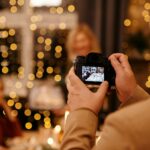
{"x":101,"y":92}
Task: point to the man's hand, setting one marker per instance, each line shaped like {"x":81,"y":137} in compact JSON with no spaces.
{"x":125,"y":79}
{"x":81,"y":97}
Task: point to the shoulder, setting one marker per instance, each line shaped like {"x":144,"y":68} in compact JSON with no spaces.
{"x":132,"y":122}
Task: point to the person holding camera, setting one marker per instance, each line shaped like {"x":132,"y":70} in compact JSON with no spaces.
{"x":127,"y":128}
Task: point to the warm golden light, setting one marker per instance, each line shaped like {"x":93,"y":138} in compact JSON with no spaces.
{"x":13,"y":46}
{"x":12,"y":32}
{"x":18,"y":105}
{"x":4,"y":54}
{"x":58,"y":55}
{"x":33,"y":27}
{"x":37,"y":116}
{"x":49,"y":70}
{"x":127,"y":22}
{"x":10,"y":103}
{"x":27,"y":112}
{"x":40,"y":39}
{"x":40,"y":55}
{"x":4,"y":34}
{"x":46,"y":113}
{"x":147,"y":84}
{"x":28,"y":125}
{"x":12,"y":2}
{"x":48,"y":41}
{"x":147,"y":6}
{"x":31,"y":76}
{"x":62,"y":26}
{"x":13,"y":9}
{"x":58,"y":48}
{"x":20,"y":2}
{"x":71,"y":8}
{"x":5,"y":70}
{"x":57,"y":78}
{"x":60,"y":10}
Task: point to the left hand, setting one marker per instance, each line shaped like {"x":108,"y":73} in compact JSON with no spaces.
{"x":81,"y":97}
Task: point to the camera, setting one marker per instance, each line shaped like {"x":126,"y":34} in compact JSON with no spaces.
{"x":94,"y":68}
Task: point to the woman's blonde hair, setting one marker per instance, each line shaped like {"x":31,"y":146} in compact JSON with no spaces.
{"x":82,"y":28}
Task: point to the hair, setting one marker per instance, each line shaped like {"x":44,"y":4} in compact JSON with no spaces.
{"x":81,"y":28}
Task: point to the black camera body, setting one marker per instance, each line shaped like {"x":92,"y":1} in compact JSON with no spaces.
{"x":94,"y":68}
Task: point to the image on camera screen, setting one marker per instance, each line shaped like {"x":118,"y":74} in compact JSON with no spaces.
{"x":93,"y":74}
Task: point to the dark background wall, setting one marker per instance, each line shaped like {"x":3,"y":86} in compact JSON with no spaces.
{"x":105,"y":17}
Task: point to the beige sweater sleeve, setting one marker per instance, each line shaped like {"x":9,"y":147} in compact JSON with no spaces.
{"x":80,"y":130}
{"x":138,"y":95}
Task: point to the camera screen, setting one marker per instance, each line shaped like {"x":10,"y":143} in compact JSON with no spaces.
{"x":93,"y":74}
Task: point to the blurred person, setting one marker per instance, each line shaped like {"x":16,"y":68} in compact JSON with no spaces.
{"x":127,"y":128}
{"x":9,"y":125}
{"x":81,"y":41}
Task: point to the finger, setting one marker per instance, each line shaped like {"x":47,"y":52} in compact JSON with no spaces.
{"x":116,"y":64}
{"x":123,"y":59}
{"x":101,"y":92}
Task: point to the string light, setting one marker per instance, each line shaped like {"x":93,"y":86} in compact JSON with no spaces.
{"x":59,"y":10}
{"x":4,"y":63}
{"x":62,"y":26}
{"x":147,"y":6}
{"x":127,"y":22}
{"x":33,"y":27}
{"x":50,"y":141}
{"x":57,"y":78}
{"x":12,"y":32}
{"x":3,"y":34}
{"x":28,"y":125}
{"x":49,"y":70}
{"x":39,"y":74}
{"x":4,"y":54}
{"x":20,"y":2}
{"x":5,"y":70}
{"x":31,"y":76}
{"x":48,"y":41}
{"x":13,"y":46}
{"x":46,"y":114}
{"x":10,"y":103}
{"x":37,"y":116}
{"x":27,"y":112}
{"x":53,"y":10}
{"x":58,"y":49}
{"x":47,"y":47}
{"x":13,"y":9}
{"x":71,"y":8}
{"x":58,"y":55}
{"x":12,"y":2}
{"x":18,"y":105}
{"x":40,"y":39}
{"x":40,"y":55}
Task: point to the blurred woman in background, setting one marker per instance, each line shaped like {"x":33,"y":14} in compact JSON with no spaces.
{"x":81,"y":41}
{"x":9,"y":125}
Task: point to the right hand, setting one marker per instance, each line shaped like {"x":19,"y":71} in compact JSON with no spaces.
{"x":125,"y":80}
